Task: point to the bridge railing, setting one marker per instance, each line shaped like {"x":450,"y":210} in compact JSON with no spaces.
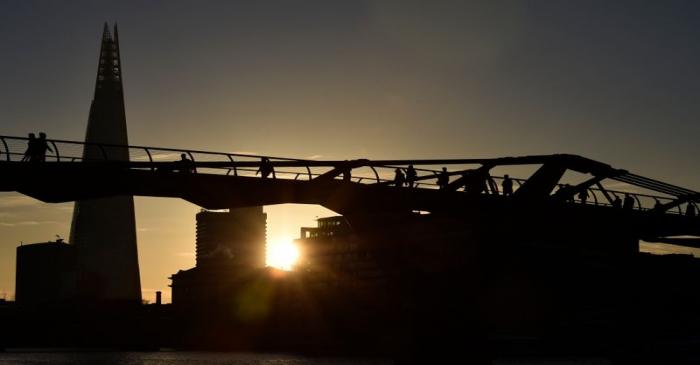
{"x":642,"y":202}
{"x":152,"y":158}
{"x":240,"y":164}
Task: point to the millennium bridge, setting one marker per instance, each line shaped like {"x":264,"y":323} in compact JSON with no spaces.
{"x":70,"y":170}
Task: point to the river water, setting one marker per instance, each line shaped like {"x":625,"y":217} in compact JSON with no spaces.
{"x":171,"y":358}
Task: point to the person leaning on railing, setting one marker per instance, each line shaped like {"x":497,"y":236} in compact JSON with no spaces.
{"x":507,"y":185}
{"x":265,"y":168}
{"x":411,"y":175}
{"x":36,"y":148}
{"x":185,"y":164}
{"x":443,"y":179}
{"x":628,"y":203}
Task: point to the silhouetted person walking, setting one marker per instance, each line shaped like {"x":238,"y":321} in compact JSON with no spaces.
{"x":628,"y":204}
{"x":31,"y":147}
{"x":617,"y":203}
{"x":265,"y":168}
{"x":443,"y":179}
{"x":399,"y":178}
{"x":40,"y":148}
{"x":186,"y":165}
{"x":411,"y":176}
{"x":507,"y":185}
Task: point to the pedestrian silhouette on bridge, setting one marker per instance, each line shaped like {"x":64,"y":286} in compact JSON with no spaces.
{"x":411,"y":176}
{"x":507,"y":185}
{"x":31,"y":147}
{"x":475,"y":182}
{"x":399,"y":178}
{"x":186,"y":165}
{"x":628,"y":204}
{"x":690,"y":210}
{"x":657,"y":206}
{"x":40,"y":148}
{"x":265,"y":168}
{"x":443,"y":179}
{"x":565,"y":192}
{"x":617,"y":203}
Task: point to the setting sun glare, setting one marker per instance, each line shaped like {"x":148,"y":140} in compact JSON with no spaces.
{"x":282,"y":253}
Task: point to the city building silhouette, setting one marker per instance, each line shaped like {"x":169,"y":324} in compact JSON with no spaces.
{"x":235,"y":235}
{"x":104,"y":229}
{"x":45,"y":273}
{"x":331,"y":254}
{"x":229,"y":245}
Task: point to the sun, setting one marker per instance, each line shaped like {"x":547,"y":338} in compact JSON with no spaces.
{"x":281,"y":253}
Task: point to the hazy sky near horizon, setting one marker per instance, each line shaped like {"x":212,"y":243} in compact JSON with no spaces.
{"x":615,"y":81}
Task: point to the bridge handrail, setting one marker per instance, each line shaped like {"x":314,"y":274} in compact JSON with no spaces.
{"x":167,"y":149}
{"x":232,"y":162}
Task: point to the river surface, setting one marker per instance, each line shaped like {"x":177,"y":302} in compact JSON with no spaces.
{"x":171,"y":358}
{"x":229,"y":358}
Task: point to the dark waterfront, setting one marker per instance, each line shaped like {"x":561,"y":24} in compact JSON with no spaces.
{"x":228,"y":358}
{"x":167,"y":358}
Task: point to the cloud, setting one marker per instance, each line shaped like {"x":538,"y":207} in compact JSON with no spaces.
{"x":314,"y":157}
{"x":17,"y":202}
{"x":144,"y":229}
{"x":158,"y":156}
{"x":26,"y":223}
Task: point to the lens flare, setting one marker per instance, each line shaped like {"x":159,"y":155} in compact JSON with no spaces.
{"x":282,"y":253}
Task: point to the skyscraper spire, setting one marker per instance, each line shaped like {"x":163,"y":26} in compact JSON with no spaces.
{"x":104,"y":230}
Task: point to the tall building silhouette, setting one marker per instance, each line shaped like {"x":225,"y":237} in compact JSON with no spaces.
{"x":236,"y":236}
{"x":230,"y":248}
{"x":104,"y":230}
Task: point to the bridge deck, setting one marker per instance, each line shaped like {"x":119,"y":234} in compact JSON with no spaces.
{"x":567,"y":179}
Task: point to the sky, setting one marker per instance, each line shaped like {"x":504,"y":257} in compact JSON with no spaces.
{"x":613,"y":81}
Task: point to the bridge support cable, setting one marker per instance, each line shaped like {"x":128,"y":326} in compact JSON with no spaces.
{"x":654,"y":185}
{"x":690,"y":199}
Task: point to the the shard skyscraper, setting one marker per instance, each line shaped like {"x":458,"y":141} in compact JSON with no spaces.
{"x":104,"y":230}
